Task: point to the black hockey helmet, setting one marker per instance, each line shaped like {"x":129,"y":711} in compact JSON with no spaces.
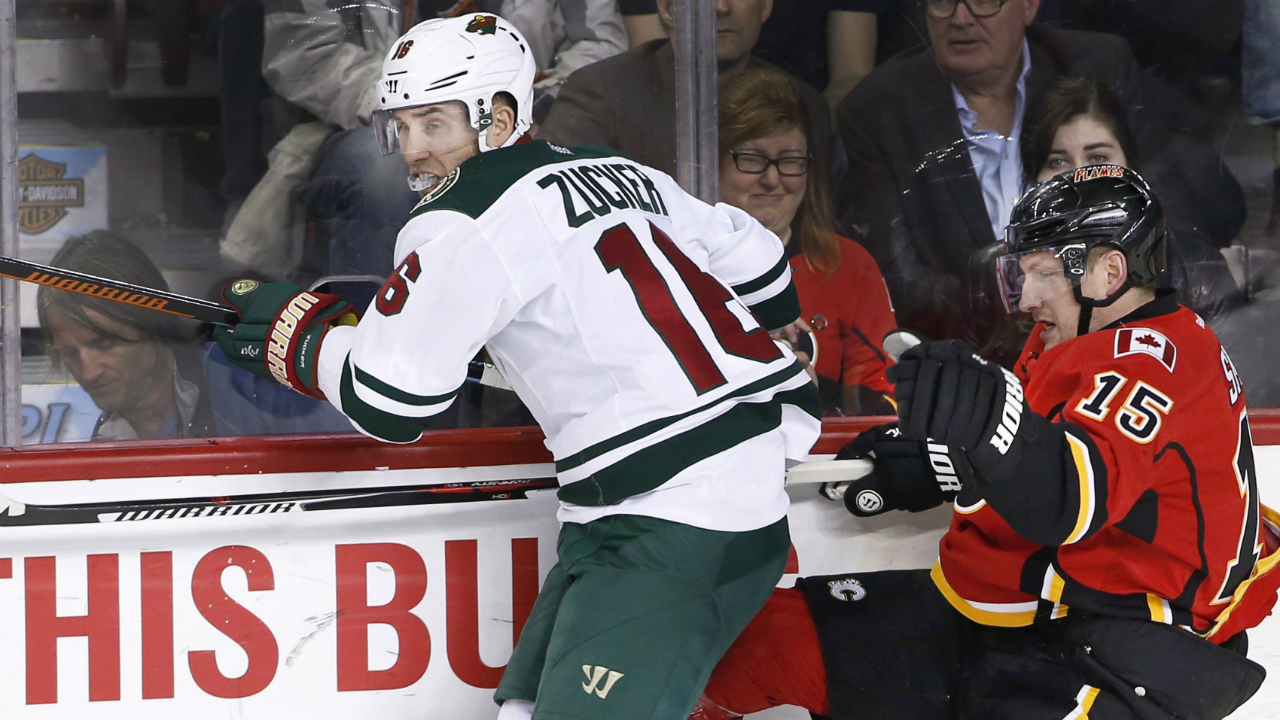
{"x":1076,"y":211}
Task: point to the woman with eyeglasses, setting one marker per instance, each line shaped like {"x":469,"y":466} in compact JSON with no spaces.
{"x":767,"y":170}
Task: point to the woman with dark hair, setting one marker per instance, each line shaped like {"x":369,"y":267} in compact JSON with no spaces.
{"x":767,"y":169}
{"x":1078,"y":122}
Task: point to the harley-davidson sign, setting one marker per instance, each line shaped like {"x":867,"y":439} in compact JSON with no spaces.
{"x":45,"y":193}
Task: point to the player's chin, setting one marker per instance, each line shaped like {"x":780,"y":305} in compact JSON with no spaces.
{"x":1052,"y":335}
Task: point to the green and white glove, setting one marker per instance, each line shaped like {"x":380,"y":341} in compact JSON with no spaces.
{"x":280,"y":331}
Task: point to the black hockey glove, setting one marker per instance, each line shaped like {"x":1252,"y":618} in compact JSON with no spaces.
{"x":913,"y":475}
{"x":946,"y":392}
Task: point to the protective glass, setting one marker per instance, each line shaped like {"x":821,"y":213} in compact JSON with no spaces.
{"x":1038,"y":277}
{"x":436,"y":128}
{"x":757,"y":164}
{"x":943,"y":9}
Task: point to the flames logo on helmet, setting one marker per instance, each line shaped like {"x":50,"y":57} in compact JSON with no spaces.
{"x":1097,"y":171}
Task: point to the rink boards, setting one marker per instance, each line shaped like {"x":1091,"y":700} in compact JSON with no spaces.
{"x":391,"y":612}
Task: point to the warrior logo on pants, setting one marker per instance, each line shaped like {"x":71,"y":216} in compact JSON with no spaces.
{"x":596,"y":673}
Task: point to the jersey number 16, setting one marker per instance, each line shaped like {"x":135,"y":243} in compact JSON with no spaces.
{"x":619,"y":249}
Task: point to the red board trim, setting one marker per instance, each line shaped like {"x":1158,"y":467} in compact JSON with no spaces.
{"x":343,"y":453}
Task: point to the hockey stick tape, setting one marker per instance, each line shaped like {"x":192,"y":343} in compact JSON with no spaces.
{"x":824,"y":471}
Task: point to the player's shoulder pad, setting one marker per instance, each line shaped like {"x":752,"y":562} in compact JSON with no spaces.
{"x":473,"y":187}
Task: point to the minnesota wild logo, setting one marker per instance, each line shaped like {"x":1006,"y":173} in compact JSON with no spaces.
{"x":483,"y":25}
{"x":243,"y":287}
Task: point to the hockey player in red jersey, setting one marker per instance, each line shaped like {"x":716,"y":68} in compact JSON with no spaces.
{"x":1107,"y":549}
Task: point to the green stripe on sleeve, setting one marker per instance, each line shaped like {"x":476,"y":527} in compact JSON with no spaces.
{"x":780,"y":310}
{"x":378,"y":423}
{"x":394,"y":393}
{"x":764,"y":280}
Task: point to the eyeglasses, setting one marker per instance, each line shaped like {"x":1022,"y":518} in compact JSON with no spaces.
{"x":756,"y":164}
{"x":943,"y":9}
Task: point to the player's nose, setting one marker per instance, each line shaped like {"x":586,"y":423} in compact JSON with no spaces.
{"x":1030,"y":298}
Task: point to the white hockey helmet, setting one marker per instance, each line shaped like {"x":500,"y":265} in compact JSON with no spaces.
{"x":469,"y":58}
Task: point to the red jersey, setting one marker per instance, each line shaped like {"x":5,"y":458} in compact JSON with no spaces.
{"x":1150,"y":511}
{"x":850,"y":312}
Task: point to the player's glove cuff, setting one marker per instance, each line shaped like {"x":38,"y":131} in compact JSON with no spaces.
{"x":280,"y":331}
{"x":912,"y":475}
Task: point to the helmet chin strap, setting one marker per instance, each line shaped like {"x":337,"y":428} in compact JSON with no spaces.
{"x":1087,"y":304}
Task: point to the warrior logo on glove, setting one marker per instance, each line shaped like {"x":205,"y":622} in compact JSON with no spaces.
{"x":282,"y":334}
{"x":1011,"y":416}
{"x":280,"y":331}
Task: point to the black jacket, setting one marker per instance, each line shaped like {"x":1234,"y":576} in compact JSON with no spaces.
{"x":912,"y":198}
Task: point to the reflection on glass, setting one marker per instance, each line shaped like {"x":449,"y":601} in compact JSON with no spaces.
{"x":224,"y":139}
{"x":1078,"y":122}
{"x":146,"y":372}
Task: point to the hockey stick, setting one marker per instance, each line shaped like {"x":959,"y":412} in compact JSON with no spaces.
{"x":172,"y":303}
{"x":14,"y":513}
{"x":117,"y":291}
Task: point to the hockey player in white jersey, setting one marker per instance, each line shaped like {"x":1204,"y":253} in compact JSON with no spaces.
{"x":633,"y":321}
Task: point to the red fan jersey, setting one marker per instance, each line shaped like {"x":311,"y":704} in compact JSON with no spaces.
{"x":850,"y":312}
{"x":1151,"y":508}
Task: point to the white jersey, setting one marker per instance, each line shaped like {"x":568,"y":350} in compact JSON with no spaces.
{"x":602,"y":292}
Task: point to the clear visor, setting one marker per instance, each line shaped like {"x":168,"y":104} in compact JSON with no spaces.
{"x":437,"y":128}
{"x":1031,"y":279}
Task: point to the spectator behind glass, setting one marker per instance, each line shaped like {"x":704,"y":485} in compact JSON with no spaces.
{"x":323,"y":60}
{"x":1078,"y":122}
{"x":627,"y":102}
{"x":829,"y":44}
{"x":144,"y":370}
{"x":932,"y":142}
{"x":766,"y":169}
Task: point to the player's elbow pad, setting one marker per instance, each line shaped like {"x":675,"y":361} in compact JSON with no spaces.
{"x":1055,"y":494}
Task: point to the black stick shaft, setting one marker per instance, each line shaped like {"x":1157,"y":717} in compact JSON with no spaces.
{"x":166,"y":302}
{"x":117,"y":291}
{"x":14,"y":514}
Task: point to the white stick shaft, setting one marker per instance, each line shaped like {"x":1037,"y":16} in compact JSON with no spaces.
{"x":821,"y":471}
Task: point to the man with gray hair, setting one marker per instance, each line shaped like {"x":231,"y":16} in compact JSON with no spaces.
{"x":627,"y":102}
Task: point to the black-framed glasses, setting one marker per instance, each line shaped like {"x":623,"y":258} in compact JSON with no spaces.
{"x":755,"y":164}
{"x":943,"y":9}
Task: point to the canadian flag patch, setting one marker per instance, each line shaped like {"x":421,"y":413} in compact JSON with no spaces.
{"x":1131,"y":341}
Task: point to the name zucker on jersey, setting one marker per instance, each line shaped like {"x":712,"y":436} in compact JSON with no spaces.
{"x":602,"y":188}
